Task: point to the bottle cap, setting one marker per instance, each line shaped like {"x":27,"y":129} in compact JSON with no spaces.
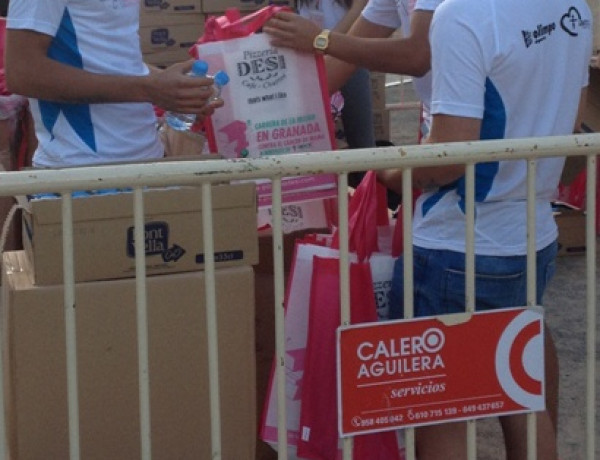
{"x":199,"y":68}
{"x":221,"y":78}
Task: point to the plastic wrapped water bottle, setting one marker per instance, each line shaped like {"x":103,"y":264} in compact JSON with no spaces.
{"x":184,"y":121}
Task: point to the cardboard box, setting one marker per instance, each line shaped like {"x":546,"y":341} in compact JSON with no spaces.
{"x":591,"y":115}
{"x":7,"y":163}
{"x":378,"y":98}
{"x":35,"y":363}
{"x":170,"y":7}
{"x":166,"y":58}
{"x":103,"y":232}
{"x":170,"y":32}
{"x":571,"y":231}
{"x":595,"y":7}
{"x":300,"y":216}
{"x":181,"y":143}
{"x":17,"y":144}
{"x":381,"y":125}
{"x":218,"y":6}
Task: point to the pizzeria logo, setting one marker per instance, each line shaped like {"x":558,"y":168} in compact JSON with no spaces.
{"x":262,"y":69}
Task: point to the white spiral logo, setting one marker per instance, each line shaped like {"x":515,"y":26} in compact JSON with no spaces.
{"x":520,"y":360}
{"x":433,"y":340}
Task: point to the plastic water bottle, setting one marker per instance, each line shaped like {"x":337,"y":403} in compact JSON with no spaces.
{"x":220,"y":79}
{"x":184,"y":121}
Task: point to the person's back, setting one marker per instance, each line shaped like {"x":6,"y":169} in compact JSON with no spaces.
{"x":530,"y":87}
{"x":501,"y":69}
{"x":530,"y":63}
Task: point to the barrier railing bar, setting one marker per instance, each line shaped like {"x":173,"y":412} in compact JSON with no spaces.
{"x":470,"y":237}
{"x":344,"y":247}
{"x":408,"y":297}
{"x":531,"y":241}
{"x":297,"y":164}
{"x":70,"y":325}
{"x":531,"y":287}
{"x":3,"y":433}
{"x":471,"y":425}
{"x":591,"y":332}
{"x":278,"y":265}
{"x":142,"y":324}
{"x":211,"y":321}
{"x":343,"y":231}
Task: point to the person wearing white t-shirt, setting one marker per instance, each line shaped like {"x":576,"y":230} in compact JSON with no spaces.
{"x":501,"y":69}
{"x":91,"y":95}
{"x":369,"y":43}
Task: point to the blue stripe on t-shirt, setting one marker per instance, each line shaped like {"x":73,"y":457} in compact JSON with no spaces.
{"x":493,"y":126}
{"x":64,"y":49}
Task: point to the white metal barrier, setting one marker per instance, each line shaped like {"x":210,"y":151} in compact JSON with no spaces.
{"x":205,"y":173}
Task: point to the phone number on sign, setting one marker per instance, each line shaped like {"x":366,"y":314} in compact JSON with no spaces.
{"x":360,"y":422}
{"x":482,"y":407}
{"x":419,"y":416}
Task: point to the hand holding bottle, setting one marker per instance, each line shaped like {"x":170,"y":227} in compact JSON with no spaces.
{"x":184,"y":121}
{"x":174,"y":89}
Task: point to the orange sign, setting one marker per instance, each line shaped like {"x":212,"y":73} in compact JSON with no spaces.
{"x":422,"y":371}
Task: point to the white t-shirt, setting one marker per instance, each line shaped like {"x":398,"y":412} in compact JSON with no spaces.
{"x":325,"y":13}
{"x":396,"y":13}
{"x":99,"y":36}
{"x":520,"y":68}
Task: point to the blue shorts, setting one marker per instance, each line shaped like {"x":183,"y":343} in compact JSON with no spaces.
{"x":439,"y":281}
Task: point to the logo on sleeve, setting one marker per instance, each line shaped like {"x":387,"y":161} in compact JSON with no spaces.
{"x":541,"y":33}
{"x":571,"y":22}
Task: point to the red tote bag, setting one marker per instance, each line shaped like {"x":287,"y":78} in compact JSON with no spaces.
{"x":318,"y":416}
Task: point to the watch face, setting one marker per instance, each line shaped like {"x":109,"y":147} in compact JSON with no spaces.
{"x":321,"y":42}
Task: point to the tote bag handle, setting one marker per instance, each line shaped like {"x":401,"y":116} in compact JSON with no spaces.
{"x":233,"y":25}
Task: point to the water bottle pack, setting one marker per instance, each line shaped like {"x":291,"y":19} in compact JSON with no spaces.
{"x":184,"y":121}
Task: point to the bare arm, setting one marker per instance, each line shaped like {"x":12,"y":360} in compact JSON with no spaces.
{"x":30,"y":72}
{"x":365,"y":45}
{"x":340,"y":70}
{"x":444,"y":129}
{"x":370,"y":45}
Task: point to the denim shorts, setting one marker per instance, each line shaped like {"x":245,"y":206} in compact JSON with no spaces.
{"x":439,"y":281}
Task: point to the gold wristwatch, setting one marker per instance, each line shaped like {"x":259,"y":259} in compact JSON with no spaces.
{"x":321,"y":41}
